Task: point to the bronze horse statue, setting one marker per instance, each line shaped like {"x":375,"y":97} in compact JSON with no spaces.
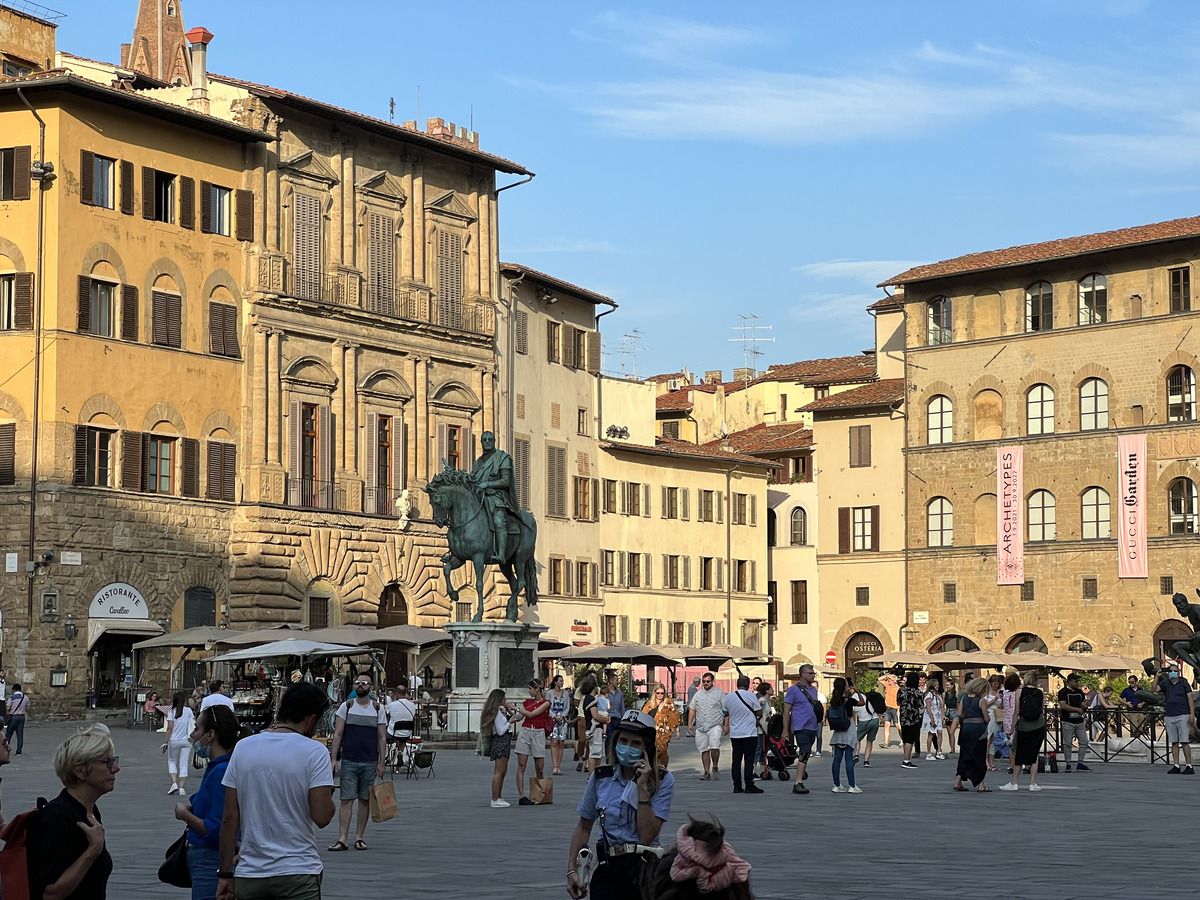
{"x":458,"y":504}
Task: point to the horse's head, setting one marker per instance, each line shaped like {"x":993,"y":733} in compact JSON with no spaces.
{"x":444,"y":489}
{"x":438,"y":507}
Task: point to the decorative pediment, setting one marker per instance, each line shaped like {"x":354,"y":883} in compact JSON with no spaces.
{"x":452,"y":205}
{"x":311,"y":167}
{"x":384,"y":186}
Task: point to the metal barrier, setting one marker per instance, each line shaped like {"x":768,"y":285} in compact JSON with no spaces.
{"x":1143,"y":728}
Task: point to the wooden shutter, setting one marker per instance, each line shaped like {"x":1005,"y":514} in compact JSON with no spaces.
{"x":306,"y":256}
{"x":79,"y":475}
{"x":216,"y":329}
{"x":691,"y":634}
{"x":551,"y":343}
{"x":468,"y":448}
{"x":8,"y":453}
{"x":231,"y":329}
{"x":206,"y":210}
{"x":132,"y":472}
{"x":623,"y":490}
{"x":687,"y":573}
{"x":593,"y":585}
{"x":442,"y":440}
{"x":666,"y":571}
{"x":522,"y":332}
{"x":229,"y":472}
{"x":864,"y":445}
{"x":244,"y":204}
{"x":568,"y":570}
{"x":663,"y":511}
{"x":158,"y":313}
{"x":874,"y":527}
{"x":325,"y":449}
{"x":294,"y":437}
{"x":83,"y":323}
{"x":568,"y":345}
{"x":595,"y":499}
{"x":147,"y":193}
{"x":754,"y":576}
{"x":853,"y":446}
{"x":646,"y":501}
{"x":753,"y":510}
{"x":521,"y":471}
{"x":720,"y":500}
{"x":450,"y":279}
{"x":622,"y":570}
{"x":646,"y":569}
{"x":187,"y":202}
{"x":23,"y":301}
{"x":174,"y":320}
{"x":369,"y":460}
{"x":87,"y":178}
{"x":129,"y":312}
{"x":720,"y":566}
{"x":381,"y":263}
{"x":624,"y":628}
{"x":593,"y":351}
{"x":684,"y":502}
{"x":399,"y":455}
{"x":215,"y":462}
{"x":844,"y":529}
{"x":22,"y":172}
{"x":127,"y":188}
{"x":191,"y":467}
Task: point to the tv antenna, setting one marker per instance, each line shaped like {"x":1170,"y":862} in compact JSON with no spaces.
{"x":629,"y":350}
{"x":392,"y":110}
{"x":750,"y":339}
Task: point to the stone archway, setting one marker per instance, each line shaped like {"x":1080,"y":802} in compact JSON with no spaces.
{"x":1166,"y":634}
{"x":861,"y":645}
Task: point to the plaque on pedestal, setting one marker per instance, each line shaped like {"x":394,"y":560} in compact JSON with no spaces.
{"x":489,"y":655}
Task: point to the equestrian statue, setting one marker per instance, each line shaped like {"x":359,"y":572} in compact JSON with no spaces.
{"x":486,"y":525}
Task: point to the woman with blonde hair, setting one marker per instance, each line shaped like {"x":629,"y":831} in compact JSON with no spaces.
{"x":496,"y":722}
{"x":665,"y":713}
{"x":972,"y":734}
{"x":1027,"y":732}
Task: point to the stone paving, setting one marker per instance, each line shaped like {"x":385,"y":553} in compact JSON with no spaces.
{"x":1120,"y":831}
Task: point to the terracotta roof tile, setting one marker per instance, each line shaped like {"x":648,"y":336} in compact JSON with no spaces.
{"x":877,"y":393}
{"x":680,"y":399}
{"x":671,"y":448}
{"x":764,"y":438}
{"x":558,"y":282}
{"x":834,"y":370}
{"x":667,"y":376}
{"x":1061,"y":248}
{"x":886,"y":303}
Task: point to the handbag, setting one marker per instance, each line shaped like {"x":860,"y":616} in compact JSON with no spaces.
{"x":541,"y":791}
{"x":483,"y":746}
{"x":174,"y":869}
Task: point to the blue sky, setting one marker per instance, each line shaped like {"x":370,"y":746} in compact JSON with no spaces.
{"x":697,"y":161}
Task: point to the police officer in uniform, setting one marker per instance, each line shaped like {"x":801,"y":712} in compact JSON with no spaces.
{"x":631,"y":799}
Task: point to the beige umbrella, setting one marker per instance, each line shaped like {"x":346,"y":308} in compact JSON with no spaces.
{"x":407,"y":634}
{"x":900,"y":658}
{"x":351,"y":635}
{"x":622,"y":652}
{"x":234,"y":638}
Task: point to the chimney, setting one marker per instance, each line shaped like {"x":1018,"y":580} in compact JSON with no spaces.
{"x":744,"y":374}
{"x":200,"y":38}
{"x":712,"y":376}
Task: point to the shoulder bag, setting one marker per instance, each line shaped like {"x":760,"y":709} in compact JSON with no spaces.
{"x":817,"y":706}
{"x":758,"y":724}
{"x":174,"y":869}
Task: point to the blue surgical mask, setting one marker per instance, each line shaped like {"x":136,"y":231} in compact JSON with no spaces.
{"x":627,"y":755}
{"x":1173,"y":676}
{"x":203,"y":751}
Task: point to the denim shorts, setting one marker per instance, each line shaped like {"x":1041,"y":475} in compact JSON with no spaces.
{"x":356,"y":779}
{"x":804,"y":738}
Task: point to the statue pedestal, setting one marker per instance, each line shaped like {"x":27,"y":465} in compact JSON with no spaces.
{"x":489,"y":655}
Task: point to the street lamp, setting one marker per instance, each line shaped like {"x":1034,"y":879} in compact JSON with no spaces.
{"x":70,"y":629}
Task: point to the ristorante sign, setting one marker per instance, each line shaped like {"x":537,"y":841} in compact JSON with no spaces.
{"x":118,"y":601}
{"x":1010,"y":530}
{"x":1131,"y":533}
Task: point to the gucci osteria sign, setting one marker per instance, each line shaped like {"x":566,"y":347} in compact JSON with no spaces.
{"x":118,"y":601}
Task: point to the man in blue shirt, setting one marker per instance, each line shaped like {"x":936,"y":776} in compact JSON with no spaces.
{"x":1179,"y":714}
{"x":1129,"y":695}
{"x":802,"y":720}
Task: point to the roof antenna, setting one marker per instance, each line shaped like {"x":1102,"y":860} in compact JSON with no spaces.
{"x":392,"y":110}
{"x":750,"y":340}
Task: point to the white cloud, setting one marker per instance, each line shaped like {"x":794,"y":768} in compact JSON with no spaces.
{"x":670,"y":39}
{"x":845,"y":309}
{"x":868,"y":272}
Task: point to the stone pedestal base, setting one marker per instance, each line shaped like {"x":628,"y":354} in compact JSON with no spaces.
{"x":489,"y":655}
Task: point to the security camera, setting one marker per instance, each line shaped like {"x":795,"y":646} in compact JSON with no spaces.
{"x":48,"y":556}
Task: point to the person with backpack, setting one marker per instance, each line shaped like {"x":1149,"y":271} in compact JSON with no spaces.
{"x":912,"y":709}
{"x":843,"y":735}
{"x":1027,"y":732}
{"x":360,"y":733}
{"x":867,"y":709}
{"x":18,"y":706}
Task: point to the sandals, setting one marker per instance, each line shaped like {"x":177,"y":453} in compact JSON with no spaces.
{"x":983,"y":790}
{"x":959,"y":787}
{"x":338,"y":846}
{"x":360,"y":844}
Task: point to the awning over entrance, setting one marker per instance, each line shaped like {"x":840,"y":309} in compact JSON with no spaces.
{"x":135,"y":627}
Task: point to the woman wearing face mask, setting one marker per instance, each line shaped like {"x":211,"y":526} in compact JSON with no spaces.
{"x":631,"y":798}
{"x":216,"y":733}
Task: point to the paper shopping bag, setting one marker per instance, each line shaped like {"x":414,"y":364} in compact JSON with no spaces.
{"x":541,"y":791}
{"x":383,"y":802}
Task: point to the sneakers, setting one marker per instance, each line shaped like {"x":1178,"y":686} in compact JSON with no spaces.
{"x":738,"y":789}
{"x":500,"y":804}
{"x":705,"y":777}
{"x":856,"y":759}
{"x":929,"y":756}
{"x":716,"y":772}
{"x":1068,"y":768}
{"x":943,"y":756}
{"x":867,"y":763}
{"x":1035,"y":787}
{"x":838,"y":789}
{"x":816,"y":755}
{"x":907,"y":765}
{"x":173,"y":789}
{"x":752,"y":789}
{"x":854,"y":789}
{"x":1188,"y":770}
{"x":800,"y":789}
{"x":1174,"y":770}
{"x":1008,"y":787}
{"x":524,"y":801}
{"x":1082,"y":768}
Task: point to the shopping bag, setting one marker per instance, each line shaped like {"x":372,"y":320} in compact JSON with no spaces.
{"x":383,"y":802}
{"x":541,"y":791}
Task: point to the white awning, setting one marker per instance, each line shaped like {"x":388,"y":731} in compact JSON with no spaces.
{"x":136,"y":627}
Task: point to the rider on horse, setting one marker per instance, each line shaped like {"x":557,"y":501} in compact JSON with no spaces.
{"x":493,"y":472}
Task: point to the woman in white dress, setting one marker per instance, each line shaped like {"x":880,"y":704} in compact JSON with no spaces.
{"x":932,"y":719}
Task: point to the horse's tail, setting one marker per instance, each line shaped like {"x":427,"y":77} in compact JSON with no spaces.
{"x":531,"y":588}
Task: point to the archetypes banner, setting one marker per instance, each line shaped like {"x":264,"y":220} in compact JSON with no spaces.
{"x":1131,"y":534}
{"x":1010,"y":529}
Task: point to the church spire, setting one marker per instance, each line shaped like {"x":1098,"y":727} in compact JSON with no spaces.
{"x":159,"y":48}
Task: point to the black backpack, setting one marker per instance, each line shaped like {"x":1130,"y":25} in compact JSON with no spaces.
{"x":1032,"y":704}
{"x":838,"y":718}
{"x":876,"y":703}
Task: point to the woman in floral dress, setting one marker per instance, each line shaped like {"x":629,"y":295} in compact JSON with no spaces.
{"x":666,"y":718}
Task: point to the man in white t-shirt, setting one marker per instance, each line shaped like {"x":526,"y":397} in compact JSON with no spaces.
{"x":415,"y":682}
{"x":216,"y":696}
{"x":360,"y":732}
{"x":402,"y":720}
{"x":741,"y":711}
{"x":279,"y":786}
{"x":706,"y":719}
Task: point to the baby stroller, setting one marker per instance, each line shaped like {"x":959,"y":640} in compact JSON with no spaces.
{"x":777,"y":750}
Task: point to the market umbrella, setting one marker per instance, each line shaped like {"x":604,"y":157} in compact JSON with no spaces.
{"x":199,"y":636}
{"x":234,"y":638}
{"x":407,"y":634}
{"x":290,"y":647}
{"x":350,"y":635}
{"x":622,"y":652}
{"x":899,"y":658}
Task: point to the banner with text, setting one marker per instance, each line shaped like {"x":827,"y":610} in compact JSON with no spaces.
{"x":1010,"y":529}
{"x":1131,"y":476}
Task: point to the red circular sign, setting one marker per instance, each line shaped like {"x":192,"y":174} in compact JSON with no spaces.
{"x":831,"y":658}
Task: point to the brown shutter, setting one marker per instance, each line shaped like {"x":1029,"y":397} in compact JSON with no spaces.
{"x":646,"y":569}
{"x":442,"y":440}
{"x":874,"y":527}
{"x":23,"y":301}
{"x":191,"y":467}
{"x":131,"y":461}
{"x":399,"y":455}
{"x":147,"y":193}
{"x":369,"y":460}
{"x":187,"y":202}
{"x":158,"y":313}
{"x":229,"y":472}
{"x":844,"y":529}
{"x":87,"y":178}
{"x":646,"y":501}
{"x":593,"y":351}
{"x":551,"y":344}
{"x":853,"y":446}
{"x":294,"y":436}
{"x":127,"y":189}
{"x":230,"y":328}
{"x":467,"y":437}
{"x":174,"y":320}
{"x":244,"y":203}
{"x":593,"y":588}
{"x":84,"y":319}
{"x":662,"y":514}
{"x":216,"y":329}
{"x":213,"y":488}
{"x":325,"y":448}
{"x":80,"y":473}
{"x":8,"y":453}
{"x":568,"y":346}
{"x":864,"y":445}
{"x":22,"y":172}
{"x":129,"y":312}
{"x":595,"y":499}
{"x":522,"y":332}
{"x":753,"y":510}
{"x":206,"y":210}
{"x":720,"y":498}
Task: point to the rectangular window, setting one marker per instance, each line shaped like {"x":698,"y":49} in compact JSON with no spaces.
{"x":860,"y":446}
{"x":556,"y":482}
{"x":862,"y":596}
{"x":581,"y":422}
{"x":583,"y":578}
{"x":670,"y":430}
{"x":521,"y":470}
{"x":553,"y":344}
{"x":1027,"y":592}
{"x":705,"y":512}
{"x":104,"y":192}
{"x":318,"y":612}
{"x":1181,"y":288}
{"x":103,"y":293}
{"x":98,"y":458}
{"x":864,"y":528}
{"x":634,"y":503}
{"x":306,"y":247}
{"x":706,"y":573}
{"x":164,"y":198}
{"x":1166,"y":585}
{"x":219,"y":201}
{"x":464,"y":609}
{"x":1091,"y":588}
{"x":381,"y":265}
{"x":610,"y":495}
{"x":580,"y":351}
{"x":949,"y":592}
{"x":738,"y":513}
{"x":450,"y":279}
{"x":608,"y":629}
{"x":752,"y":633}
{"x":741,"y":573}
{"x":635,"y":570}
{"x":583,"y":498}
{"x":799,"y":602}
{"x":383,"y":465}
{"x":14,"y":70}
{"x":607,"y":567}
{"x":309,"y":462}
{"x":454,"y":447}
{"x":222,"y":471}
{"x":671,"y":572}
{"x":7,"y":172}
{"x":8,"y":302}
{"x":160,"y":470}
{"x":821,"y":392}
{"x":783,"y":407}
{"x":15,"y":172}
{"x":706,"y":634}
{"x":671,"y":503}
{"x":556,"y":576}
{"x":646,"y":631}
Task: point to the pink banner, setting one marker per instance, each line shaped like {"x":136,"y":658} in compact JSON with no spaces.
{"x":1131,"y":478}
{"x":1010,"y":529}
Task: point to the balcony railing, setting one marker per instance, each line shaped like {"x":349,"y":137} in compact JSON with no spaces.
{"x":378,"y":502}
{"x":308,"y":493}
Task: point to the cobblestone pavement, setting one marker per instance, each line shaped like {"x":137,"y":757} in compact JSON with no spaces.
{"x":1120,"y":831}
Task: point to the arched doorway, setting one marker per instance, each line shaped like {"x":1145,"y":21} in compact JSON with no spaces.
{"x":956,"y":643}
{"x":1166,"y":634}
{"x":862,"y":645}
{"x":393,"y":610}
{"x":1023,"y":643}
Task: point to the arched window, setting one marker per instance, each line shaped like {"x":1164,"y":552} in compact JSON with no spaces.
{"x":1097,"y":521}
{"x":1181,"y":395}
{"x":954,"y":642}
{"x":1041,"y":516}
{"x":1093,"y":404}
{"x":799,"y":526}
{"x":1080,"y":647}
{"x":939,"y":321}
{"x":989,"y":415}
{"x":1039,"y":307}
{"x":940,"y":516}
{"x":1093,"y":300}
{"x":1023,"y":643}
{"x":985,"y":519}
{"x":1184,"y":517}
{"x":1039,"y":410}
{"x":941,"y":420}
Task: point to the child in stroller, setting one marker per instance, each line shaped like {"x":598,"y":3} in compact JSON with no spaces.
{"x":777,"y":752}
